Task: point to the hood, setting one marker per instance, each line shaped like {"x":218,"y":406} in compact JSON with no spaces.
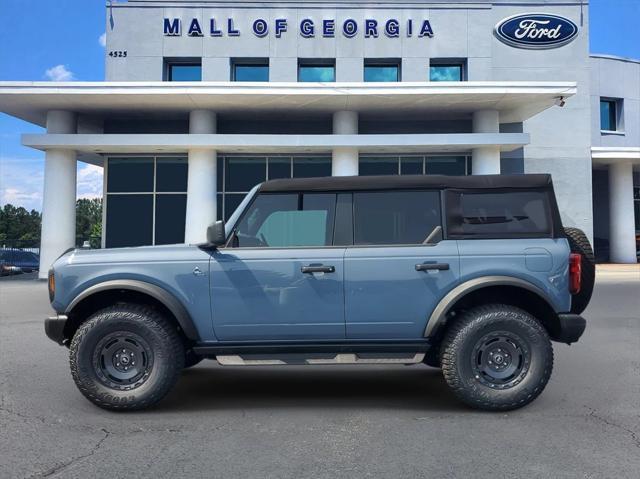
{"x":139,"y":254}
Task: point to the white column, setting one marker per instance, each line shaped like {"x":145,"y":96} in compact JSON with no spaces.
{"x":202,"y":181}
{"x":344,"y":161}
{"x":59,"y":199}
{"x":622,"y":242}
{"x":486,"y":160}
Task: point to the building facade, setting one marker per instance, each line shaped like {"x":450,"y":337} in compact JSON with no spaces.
{"x":204,"y":99}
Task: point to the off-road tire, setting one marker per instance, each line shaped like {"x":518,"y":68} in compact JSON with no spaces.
{"x":579,"y":243}
{"x":165,"y":358}
{"x":191,"y":359}
{"x":460,"y":360}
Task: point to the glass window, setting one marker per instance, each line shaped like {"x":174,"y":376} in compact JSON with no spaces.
{"x":395,"y":217}
{"x":129,"y":220}
{"x":250,"y":72}
{"x":170,"y":217}
{"x":453,"y":72}
{"x":316,"y":72}
{"x":446,"y":165}
{"x":381,"y":72}
{"x":184,"y":72}
{"x":171,"y":174}
{"x":311,"y":167}
{"x":130,"y":175}
{"x":243,"y":173}
{"x":288,"y":220}
{"x":496,"y":215}
{"x":231,"y":202}
{"x":373,"y":166}
{"x":411,"y":166}
{"x":608,"y":115}
{"x":279,"y":168}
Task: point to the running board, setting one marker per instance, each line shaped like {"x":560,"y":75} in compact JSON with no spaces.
{"x":296,"y":359}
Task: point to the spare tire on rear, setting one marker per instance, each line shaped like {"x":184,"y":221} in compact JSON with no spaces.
{"x":579,"y":243}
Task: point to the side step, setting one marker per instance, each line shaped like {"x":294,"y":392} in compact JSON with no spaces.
{"x":297,"y":359}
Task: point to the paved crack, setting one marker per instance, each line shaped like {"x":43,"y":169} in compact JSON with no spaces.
{"x":634,"y":436}
{"x":58,"y":468}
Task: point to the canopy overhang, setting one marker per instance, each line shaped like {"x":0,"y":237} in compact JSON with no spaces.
{"x":515,"y":101}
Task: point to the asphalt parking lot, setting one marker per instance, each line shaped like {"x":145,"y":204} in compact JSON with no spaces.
{"x":324,"y":421}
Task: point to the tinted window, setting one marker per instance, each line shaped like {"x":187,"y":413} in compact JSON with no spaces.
{"x":395,"y":217}
{"x":316,"y":73}
{"x":129,"y":220}
{"x":243,"y":173}
{"x":288,"y":220}
{"x":372,"y":166}
{"x":508,"y":214}
{"x":279,"y":168}
{"x":410,"y":166}
{"x":171,"y":174}
{"x":445,"y":73}
{"x":170,"y":216}
{"x":231,"y":202}
{"x":381,"y":73}
{"x":608,"y":120}
{"x":311,"y":167}
{"x":184,"y":72}
{"x":125,"y":175}
{"x":446,"y":165}
{"x":250,"y":72}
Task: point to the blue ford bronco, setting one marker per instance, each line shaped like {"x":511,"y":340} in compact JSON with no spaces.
{"x":474,"y":275}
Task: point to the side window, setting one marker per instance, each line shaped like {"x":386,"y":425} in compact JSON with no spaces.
{"x":496,"y":215}
{"x":395,"y":217}
{"x":287,"y":220}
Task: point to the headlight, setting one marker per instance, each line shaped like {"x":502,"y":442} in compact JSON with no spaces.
{"x":52,"y":285}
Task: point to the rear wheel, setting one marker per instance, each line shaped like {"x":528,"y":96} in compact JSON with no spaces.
{"x":579,"y":243}
{"x":496,"y":357}
{"x":126,"y":357}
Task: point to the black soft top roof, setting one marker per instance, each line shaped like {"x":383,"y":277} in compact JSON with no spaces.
{"x":350,"y":183}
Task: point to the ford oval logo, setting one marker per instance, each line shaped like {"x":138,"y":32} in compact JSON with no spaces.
{"x":536,"y":31}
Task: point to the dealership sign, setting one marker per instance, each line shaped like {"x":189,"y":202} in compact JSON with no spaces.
{"x":307,"y":28}
{"x":536,"y":31}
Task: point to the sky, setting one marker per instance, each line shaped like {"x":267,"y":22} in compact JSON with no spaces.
{"x":63,"y":40}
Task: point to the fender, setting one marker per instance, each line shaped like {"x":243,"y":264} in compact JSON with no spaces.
{"x":439,"y":314}
{"x":156,"y":292}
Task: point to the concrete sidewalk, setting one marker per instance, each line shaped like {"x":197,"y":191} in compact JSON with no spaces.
{"x":618,"y":271}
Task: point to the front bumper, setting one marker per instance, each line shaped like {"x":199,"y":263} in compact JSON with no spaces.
{"x":571,"y":328}
{"x":54,"y":328}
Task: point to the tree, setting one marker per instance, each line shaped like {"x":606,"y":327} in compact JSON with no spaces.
{"x":21,"y":228}
{"x":89,"y":221}
{"x":18,"y":224}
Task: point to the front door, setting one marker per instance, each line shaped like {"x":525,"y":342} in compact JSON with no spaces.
{"x":281,"y":278}
{"x":398,"y":268}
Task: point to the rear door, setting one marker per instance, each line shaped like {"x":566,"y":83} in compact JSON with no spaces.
{"x":394,"y":276}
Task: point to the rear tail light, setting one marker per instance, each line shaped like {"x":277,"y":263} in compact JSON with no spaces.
{"x":575,"y":273}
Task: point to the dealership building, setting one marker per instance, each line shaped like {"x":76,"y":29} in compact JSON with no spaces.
{"x":204,"y":99}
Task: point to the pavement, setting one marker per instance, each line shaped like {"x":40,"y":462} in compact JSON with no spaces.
{"x":324,"y":421}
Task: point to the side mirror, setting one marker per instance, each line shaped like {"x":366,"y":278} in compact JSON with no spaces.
{"x":216,"y":235}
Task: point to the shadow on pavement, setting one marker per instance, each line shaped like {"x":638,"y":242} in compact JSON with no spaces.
{"x":208,"y":387}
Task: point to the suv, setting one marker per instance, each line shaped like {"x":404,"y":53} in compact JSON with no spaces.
{"x":474,"y":275}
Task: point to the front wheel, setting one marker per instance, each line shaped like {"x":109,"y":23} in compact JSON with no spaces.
{"x":496,"y":357}
{"x":126,"y":357}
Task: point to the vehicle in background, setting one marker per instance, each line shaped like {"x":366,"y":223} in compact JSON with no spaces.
{"x":17,"y":261}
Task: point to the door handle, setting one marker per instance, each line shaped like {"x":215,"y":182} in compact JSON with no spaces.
{"x":318,"y":269}
{"x":432,"y":267}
